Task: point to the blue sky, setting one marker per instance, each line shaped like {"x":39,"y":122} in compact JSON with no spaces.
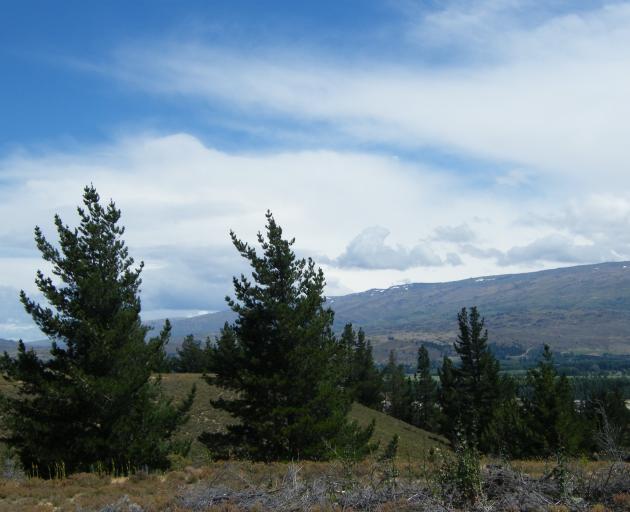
{"x":48,"y":91}
{"x":397,"y":140}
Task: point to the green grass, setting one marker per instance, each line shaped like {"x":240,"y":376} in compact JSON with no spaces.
{"x":414,"y":443}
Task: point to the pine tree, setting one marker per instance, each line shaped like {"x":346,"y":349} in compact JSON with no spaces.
{"x":280,"y":360}
{"x":507,"y":433}
{"x":346,"y":359}
{"x":368,"y":380}
{"x":191,"y":356}
{"x":607,"y":416}
{"x":551,"y":416}
{"x":363,"y":377}
{"x":397,"y":389}
{"x":162,"y":361}
{"x":449,"y":400}
{"x":477,"y":379}
{"x":425,"y":412}
{"x":93,"y":401}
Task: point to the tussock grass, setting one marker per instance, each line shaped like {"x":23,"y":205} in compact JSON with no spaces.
{"x":314,"y":486}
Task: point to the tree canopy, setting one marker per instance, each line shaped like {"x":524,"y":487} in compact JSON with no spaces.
{"x":93,"y":401}
{"x":281,"y":362}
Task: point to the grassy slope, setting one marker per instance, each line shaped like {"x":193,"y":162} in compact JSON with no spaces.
{"x":156,"y":492}
{"x":413,"y":444}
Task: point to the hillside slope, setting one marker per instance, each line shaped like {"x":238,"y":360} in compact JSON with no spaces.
{"x":413,"y":443}
{"x":9,"y":346}
{"x":584,"y":308}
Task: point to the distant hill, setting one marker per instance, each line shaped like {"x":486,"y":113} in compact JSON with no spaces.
{"x":9,"y":346}
{"x":41,"y":347}
{"x":581,"y":309}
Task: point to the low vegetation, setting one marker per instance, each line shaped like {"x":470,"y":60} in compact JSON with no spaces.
{"x":424,"y":475}
{"x":437,"y":484}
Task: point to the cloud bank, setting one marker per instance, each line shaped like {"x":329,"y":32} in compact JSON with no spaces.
{"x":551,"y":97}
{"x":494,"y":141}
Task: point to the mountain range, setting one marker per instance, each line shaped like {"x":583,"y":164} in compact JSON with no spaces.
{"x":8,"y":346}
{"x":582,"y":309}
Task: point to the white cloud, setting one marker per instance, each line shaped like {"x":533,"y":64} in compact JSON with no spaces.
{"x":555,"y":98}
{"x":514,"y":178}
{"x":368,"y":250}
{"x":556,"y":248}
{"x":179,"y":198}
{"x":453,"y":259}
{"x":455,"y":234}
{"x":532,"y":103}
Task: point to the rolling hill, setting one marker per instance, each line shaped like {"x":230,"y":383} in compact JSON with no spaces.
{"x":9,"y":346}
{"x":580,"y":309}
{"x":413,"y":442}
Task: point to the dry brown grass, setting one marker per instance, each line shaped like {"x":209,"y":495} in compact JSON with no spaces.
{"x":622,"y":500}
{"x":240,"y":485}
{"x":156,"y":492}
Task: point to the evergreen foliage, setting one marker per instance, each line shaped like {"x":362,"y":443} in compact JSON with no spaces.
{"x":554,"y":425}
{"x":192,"y":357}
{"x":368,"y":380}
{"x":478,"y":405}
{"x":93,"y":401}
{"x":162,"y":361}
{"x":397,"y":390}
{"x":508,"y":429}
{"x":345,"y":357}
{"x":608,"y":418}
{"x":449,"y":399}
{"x":281,"y":361}
{"x":391,"y":450}
{"x":477,"y":378}
{"x":425,"y":413}
{"x":364,"y":378}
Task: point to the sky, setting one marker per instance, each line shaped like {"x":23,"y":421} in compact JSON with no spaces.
{"x":397,"y":141}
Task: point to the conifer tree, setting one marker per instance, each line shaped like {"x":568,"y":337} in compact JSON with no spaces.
{"x":281,"y":361}
{"x":346,"y":358}
{"x":507,"y":433}
{"x":608,"y":417}
{"x":93,"y":401}
{"x":369,"y":383}
{"x":551,"y":416}
{"x":363,"y":376}
{"x":477,"y":378}
{"x":162,"y":361}
{"x":425,"y":412}
{"x":449,"y":400}
{"x":397,"y":389}
{"x":191,"y":356}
